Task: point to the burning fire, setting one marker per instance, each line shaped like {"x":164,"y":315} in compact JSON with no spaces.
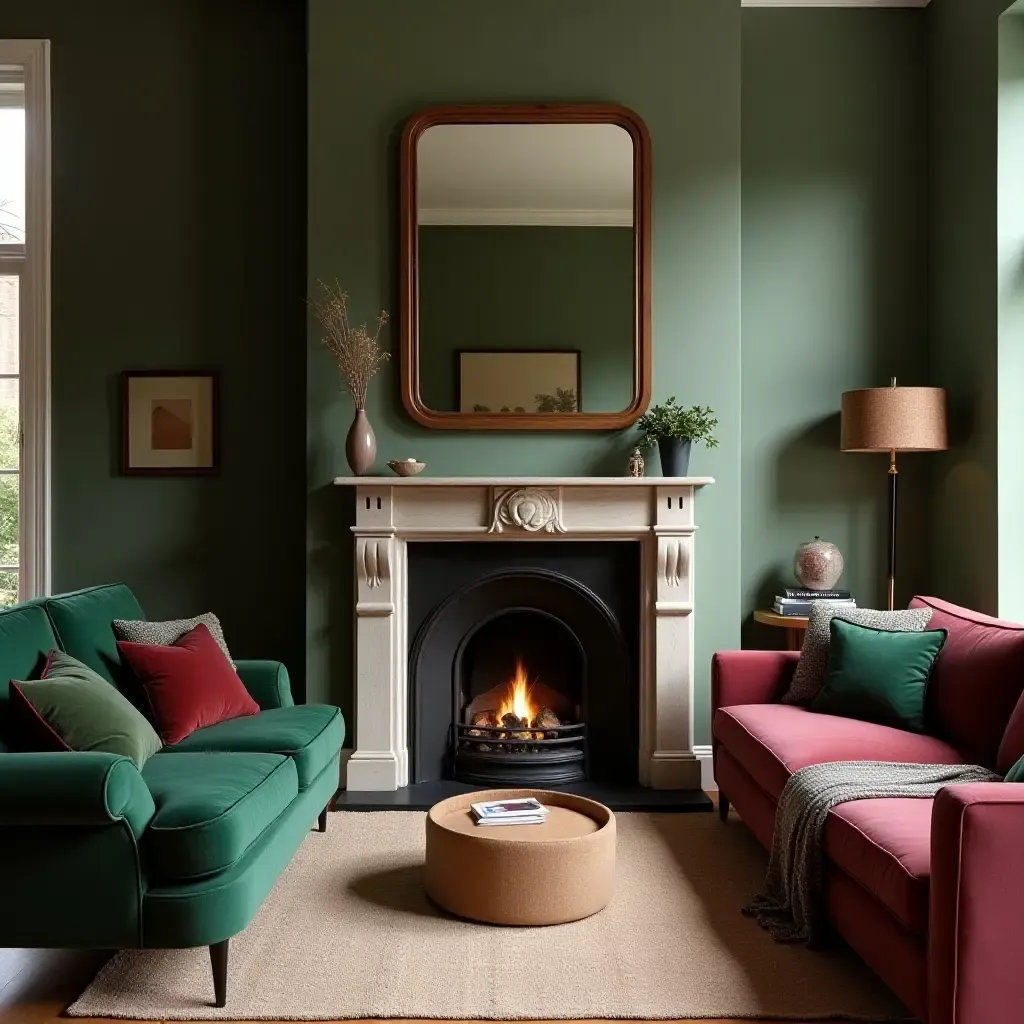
{"x":517,"y":698}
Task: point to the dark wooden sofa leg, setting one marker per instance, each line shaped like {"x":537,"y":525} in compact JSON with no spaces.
{"x":321,"y":822}
{"x":723,"y":806}
{"x":219,"y":963}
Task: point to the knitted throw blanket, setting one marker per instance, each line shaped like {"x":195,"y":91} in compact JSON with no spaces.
{"x":790,"y":904}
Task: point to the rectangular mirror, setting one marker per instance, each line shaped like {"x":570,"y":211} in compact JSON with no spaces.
{"x":526,"y":268}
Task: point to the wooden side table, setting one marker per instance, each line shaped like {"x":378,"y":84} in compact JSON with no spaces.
{"x":794,"y":625}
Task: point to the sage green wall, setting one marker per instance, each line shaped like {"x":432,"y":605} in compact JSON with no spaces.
{"x":509,"y":287}
{"x":834,"y":286}
{"x":179,"y":242}
{"x":964,"y":290}
{"x":372,"y":63}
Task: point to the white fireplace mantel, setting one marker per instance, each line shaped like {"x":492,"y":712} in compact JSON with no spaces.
{"x":391,"y":512}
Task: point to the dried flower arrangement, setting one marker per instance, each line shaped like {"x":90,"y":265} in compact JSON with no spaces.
{"x":357,"y":352}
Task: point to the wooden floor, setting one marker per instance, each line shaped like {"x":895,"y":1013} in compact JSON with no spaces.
{"x":37,"y":984}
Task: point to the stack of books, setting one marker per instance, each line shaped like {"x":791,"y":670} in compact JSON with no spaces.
{"x":796,"y":602}
{"x":525,"y":811}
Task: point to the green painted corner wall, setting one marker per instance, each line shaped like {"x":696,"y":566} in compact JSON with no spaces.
{"x":835,"y":287}
{"x":179,"y":182}
{"x":373,"y":63}
{"x":963,"y":75}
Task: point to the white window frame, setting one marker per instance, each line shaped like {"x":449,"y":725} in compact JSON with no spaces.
{"x":31,"y":264}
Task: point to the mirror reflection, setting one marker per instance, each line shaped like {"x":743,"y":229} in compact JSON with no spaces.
{"x":526,"y":268}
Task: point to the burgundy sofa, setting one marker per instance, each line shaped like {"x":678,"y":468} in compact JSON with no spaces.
{"x":930,"y":893}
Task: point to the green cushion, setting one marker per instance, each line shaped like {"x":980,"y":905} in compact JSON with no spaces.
{"x":1016,"y":773}
{"x":210,"y":808}
{"x":25,"y":640}
{"x":878,"y":676}
{"x":310,"y":734}
{"x":87,"y":712}
{"x":83,"y":622}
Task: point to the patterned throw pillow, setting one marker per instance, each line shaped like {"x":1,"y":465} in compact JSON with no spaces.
{"x":810,"y":670}
{"x":167,"y":633}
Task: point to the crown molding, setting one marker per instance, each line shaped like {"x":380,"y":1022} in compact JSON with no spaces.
{"x":836,"y":3}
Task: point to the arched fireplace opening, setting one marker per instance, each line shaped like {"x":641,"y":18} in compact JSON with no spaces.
{"x":522,"y":676}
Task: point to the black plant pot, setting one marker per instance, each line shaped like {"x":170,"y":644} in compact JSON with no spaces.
{"x":675,"y":455}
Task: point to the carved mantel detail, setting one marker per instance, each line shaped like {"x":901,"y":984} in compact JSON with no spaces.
{"x":528,"y":508}
{"x":375,"y":562}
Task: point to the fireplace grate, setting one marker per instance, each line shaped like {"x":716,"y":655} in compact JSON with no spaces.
{"x":500,"y":756}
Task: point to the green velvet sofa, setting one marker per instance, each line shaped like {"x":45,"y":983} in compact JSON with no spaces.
{"x":97,"y":854}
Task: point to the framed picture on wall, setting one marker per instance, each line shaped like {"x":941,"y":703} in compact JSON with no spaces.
{"x":519,"y":380}
{"x":170,"y":423}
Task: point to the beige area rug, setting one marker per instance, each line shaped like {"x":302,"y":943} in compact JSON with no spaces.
{"x":347,"y":932}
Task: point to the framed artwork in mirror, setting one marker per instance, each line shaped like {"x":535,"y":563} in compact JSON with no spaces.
{"x":169,"y":423}
{"x":519,"y":381}
{"x":526,"y":262}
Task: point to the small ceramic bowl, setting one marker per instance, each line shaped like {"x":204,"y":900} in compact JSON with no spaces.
{"x":406,"y":467}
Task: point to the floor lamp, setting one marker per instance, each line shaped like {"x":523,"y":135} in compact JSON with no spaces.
{"x":894,"y":420}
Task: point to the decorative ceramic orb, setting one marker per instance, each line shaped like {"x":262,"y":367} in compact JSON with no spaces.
{"x":818,"y":564}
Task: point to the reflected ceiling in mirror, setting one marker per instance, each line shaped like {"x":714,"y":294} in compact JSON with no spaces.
{"x":526,"y":268}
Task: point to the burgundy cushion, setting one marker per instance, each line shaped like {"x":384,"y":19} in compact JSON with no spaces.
{"x":771,"y":741}
{"x":886,"y":846}
{"x":976,"y":684}
{"x":190,"y":683}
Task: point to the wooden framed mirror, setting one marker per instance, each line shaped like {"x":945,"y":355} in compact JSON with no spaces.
{"x":526,"y":267}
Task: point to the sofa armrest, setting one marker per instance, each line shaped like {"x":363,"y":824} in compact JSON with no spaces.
{"x":977,"y":904}
{"x":750,"y":677}
{"x":73,"y":788}
{"x":267,"y":682}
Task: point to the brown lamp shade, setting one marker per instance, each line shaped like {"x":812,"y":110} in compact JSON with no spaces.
{"x":894,"y":419}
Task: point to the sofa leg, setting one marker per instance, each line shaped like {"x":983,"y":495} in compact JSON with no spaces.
{"x":219,"y":963}
{"x":321,"y":822}
{"x":723,"y":806}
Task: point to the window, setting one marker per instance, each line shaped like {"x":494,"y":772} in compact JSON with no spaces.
{"x":24,"y":320}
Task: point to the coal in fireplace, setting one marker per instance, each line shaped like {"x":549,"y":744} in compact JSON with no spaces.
{"x":523,"y":675}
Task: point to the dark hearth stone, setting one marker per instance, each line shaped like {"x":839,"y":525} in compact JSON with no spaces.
{"x":421,"y":796}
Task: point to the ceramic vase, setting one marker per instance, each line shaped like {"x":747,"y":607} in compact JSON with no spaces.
{"x":360,"y":445}
{"x":818,"y":564}
{"x":636,"y":463}
{"x":675,"y":455}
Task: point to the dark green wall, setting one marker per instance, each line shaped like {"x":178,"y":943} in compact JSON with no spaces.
{"x":834,"y":285}
{"x":179,"y":185}
{"x":964,"y":294}
{"x":511,"y":287}
{"x":373,"y":63}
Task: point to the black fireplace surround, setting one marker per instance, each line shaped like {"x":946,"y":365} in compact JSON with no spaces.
{"x":569,"y":612}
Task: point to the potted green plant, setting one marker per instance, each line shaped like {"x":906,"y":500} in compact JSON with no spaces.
{"x":674,"y":429}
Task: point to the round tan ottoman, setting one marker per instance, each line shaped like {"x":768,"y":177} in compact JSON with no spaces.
{"x":562,"y":870}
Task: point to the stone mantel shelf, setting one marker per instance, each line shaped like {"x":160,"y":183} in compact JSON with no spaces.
{"x":524,"y":481}
{"x":393,"y":512}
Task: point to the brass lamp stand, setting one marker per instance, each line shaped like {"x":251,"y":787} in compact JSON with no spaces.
{"x":892,"y":420}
